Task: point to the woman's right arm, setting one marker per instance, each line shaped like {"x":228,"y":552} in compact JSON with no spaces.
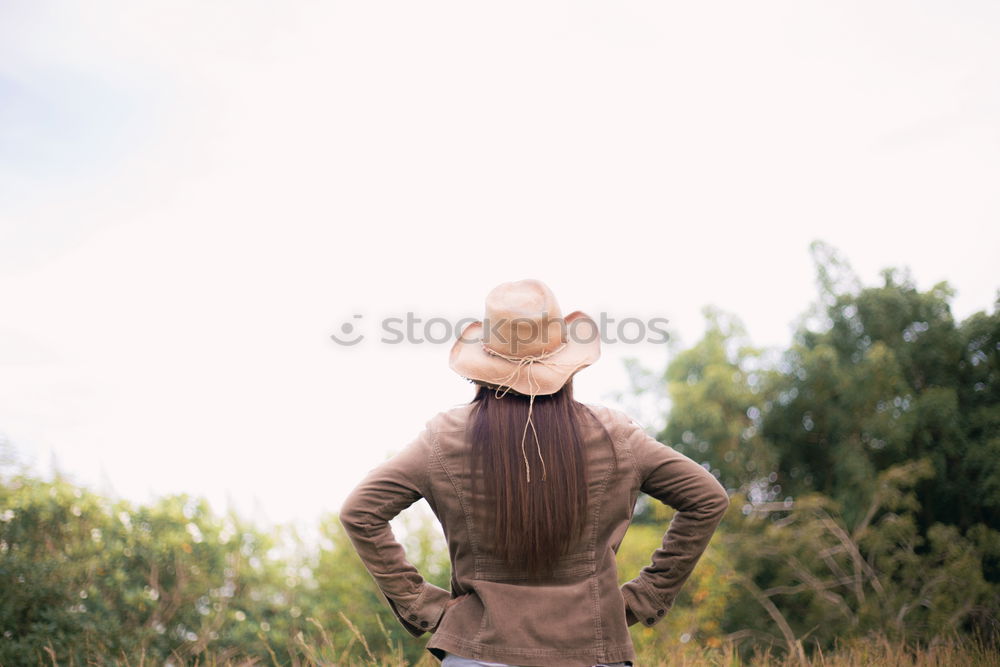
{"x":700,"y":501}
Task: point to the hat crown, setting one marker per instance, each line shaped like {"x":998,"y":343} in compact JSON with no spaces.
{"x":523,"y":319}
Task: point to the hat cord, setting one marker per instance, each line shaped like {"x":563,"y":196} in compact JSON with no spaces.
{"x":506,"y":382}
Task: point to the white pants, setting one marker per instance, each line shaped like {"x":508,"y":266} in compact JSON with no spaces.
{"x":452,"y":660}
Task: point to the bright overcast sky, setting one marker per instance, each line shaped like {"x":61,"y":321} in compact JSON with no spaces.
{"x":195,"y":195}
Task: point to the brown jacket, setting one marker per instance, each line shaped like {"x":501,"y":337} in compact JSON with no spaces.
{"x":579,"y":616}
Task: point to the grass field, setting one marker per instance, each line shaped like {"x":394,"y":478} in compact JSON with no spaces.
{"x":878,"y":651}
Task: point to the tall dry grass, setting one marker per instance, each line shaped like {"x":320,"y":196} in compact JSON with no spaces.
{"x":383,"y":651}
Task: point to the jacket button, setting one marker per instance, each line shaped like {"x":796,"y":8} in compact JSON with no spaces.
{"x":659,"y":612}
{"x":413,"y":617}
{"x":423,"y":624}
{"x":650,"y":620}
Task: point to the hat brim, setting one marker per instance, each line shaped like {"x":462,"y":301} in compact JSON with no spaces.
{"x":546,"y":376}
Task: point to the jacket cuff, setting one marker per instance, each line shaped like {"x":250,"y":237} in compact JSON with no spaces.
{"x":425,"y":612}
{"x":644,"y":603}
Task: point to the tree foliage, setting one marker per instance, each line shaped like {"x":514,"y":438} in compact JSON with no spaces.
{"x":864,"y":460}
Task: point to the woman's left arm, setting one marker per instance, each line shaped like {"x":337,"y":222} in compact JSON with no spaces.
{"x":386,"y":491}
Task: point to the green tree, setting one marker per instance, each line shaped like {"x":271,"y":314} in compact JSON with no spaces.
{"x":84,"y":576}
{"x":863,"y":462}
{"x":889,"y":377}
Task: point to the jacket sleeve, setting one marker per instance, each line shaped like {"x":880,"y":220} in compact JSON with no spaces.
{"x":385,"y":492}
{"x":700,"y":500}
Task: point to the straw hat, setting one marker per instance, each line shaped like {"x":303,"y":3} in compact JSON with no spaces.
{"x":523,"y":343}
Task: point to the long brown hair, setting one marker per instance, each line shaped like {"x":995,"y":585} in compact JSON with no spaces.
{"x":531,"y":523}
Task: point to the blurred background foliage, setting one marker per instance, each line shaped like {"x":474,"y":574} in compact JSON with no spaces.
{"x":863,"y":461}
